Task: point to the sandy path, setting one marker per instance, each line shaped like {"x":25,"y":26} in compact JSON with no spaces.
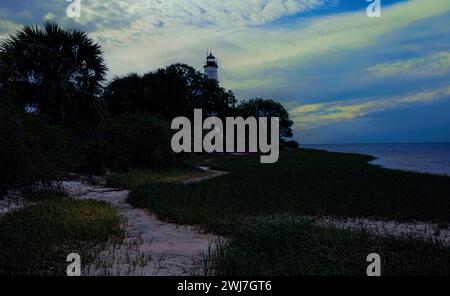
{"x":150,"y":247}
{"x":210,"y":174}
{"x":11,"y":201}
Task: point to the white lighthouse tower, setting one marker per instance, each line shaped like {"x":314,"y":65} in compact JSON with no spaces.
{"x":211,"y":68}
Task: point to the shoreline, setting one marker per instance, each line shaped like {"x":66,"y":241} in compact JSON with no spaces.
{"x":397,"y":156}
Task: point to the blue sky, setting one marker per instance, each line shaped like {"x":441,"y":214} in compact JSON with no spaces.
{"x":343,"y":77}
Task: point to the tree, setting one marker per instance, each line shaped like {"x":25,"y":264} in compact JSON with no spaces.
{"x":56,"y":71}
{"x":203,"y":93}
{"x":267,"y":108}
{"x":124,"y":94}
{"x":139,"y":140}
{"x":170,"y":92}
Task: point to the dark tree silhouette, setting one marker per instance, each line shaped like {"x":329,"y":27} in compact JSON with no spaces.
{"x":56,"y":71}
{"x":170,"y":92}
{"x":267,"y":108}
{"x":125,"y":94}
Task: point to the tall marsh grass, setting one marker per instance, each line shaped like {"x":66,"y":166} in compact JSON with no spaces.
{"x":37,"y":239}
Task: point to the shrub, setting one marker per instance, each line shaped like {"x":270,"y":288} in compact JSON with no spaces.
{"x":139,"y":140}
{"x":32,"y":149}
{"x":292,"y":145}
{"x":54,"y":144}
{"x":15,"y":164}
{"x":95,"y":155}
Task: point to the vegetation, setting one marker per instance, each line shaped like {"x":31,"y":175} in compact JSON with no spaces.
{"x":139,"y":140}
{"x":32,"y":149}
{"x":267,"y":108}
{"x":247,"y":204}
{"x":139,"y":177}
{"x":170,"y":92}
{"x":56,"y":71}
{"x":318,"y":184}
{"x":56,"y":116}
{"x":286,"y":245}
{"x":50,"y":82}
{"x":37,"y":239}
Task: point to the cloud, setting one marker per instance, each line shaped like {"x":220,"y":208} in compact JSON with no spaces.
{"x":139,"y":35}
{"x":282,"y":48}
{"x":434,"y":64}
{"x":224,"y":13}
{"x":49,"y":16}
{"x":315,"y":115}
{"x":7,"y":27}
{"x":151,"y":34}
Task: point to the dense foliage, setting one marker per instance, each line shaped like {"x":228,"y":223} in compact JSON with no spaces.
{"x":54,"y":71}
{"x":170,"y":92}
{"x":267,"y":108}
{"x":139,"y":140}
{"x":56,"y":115}
{"x":31,"y":148}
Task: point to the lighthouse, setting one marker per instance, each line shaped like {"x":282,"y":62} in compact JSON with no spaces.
{"x":211,"y":68}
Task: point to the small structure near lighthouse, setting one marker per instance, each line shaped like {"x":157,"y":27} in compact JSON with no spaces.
{"x":211,"y":68}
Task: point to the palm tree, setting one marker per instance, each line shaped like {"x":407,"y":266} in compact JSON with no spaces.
{"x":59,"y":72}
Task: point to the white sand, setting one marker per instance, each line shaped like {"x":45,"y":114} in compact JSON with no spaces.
{"x":210,"y":174}
{"x":151,"y":247}
{"x":11,"y":201}
{"x":423,"y":230}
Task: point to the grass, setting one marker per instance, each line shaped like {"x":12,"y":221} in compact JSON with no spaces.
{"x":37,"y":239}
{"x":306,"y":183}
{"x":284,"y":245}
{"x":309,"y":182}
{"x":138,"y":177}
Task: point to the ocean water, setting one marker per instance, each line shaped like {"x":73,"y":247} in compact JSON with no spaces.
{"x":433,"y":158}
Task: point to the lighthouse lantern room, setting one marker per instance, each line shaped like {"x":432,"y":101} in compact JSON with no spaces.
{"x":211,"y":67}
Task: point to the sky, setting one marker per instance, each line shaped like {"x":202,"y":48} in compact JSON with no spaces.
{"x":343,"y":77}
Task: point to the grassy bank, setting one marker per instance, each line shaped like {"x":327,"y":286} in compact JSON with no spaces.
{"x":286,"y":245}
{"x":37,"y":239}
{"x":308,"y":182}
{"x":136,"y":177}
{"x":313,"y":183}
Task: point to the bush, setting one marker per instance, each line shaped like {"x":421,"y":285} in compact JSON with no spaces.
{"x":291,"y":145}
{"x":37,"y":239}
{"x":54,"y":144}
{"x":32,"y":149}
{"x":15,"y":162}
{"x":96,"y":154}
{"x":139,"y":140}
